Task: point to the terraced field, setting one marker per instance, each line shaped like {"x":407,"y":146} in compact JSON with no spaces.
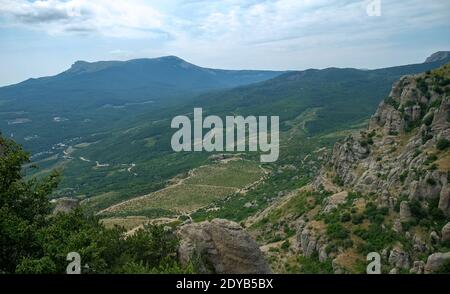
{"x":203,"y":186}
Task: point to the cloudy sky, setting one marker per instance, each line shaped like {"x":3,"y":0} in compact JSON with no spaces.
{"x":39,"y":38}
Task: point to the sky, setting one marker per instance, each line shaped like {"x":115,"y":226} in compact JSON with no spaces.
{"x":45,"y":37}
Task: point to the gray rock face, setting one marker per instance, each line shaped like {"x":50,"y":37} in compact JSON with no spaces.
{"x":396,"y":159}
{"x":418,"y":267}
{"x":405,"y":212}
{"x":309,"y":243}
{"x":397,"y":226}
{"x":221,"y":247}
{"x":436,"y":261}
{"x":444,"y":199}
{"x":434,"y":237}
{"x":65,"y":205}
{"x":399,"y":259}
{"x":445,"y":233}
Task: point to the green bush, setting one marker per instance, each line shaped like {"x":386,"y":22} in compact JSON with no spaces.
{"x":431,"y":182}
{"x":357,"y":219}
{"x":345,"y":217}
{"x":427,"y":120}
{"x":336,"y":231}
{"x":312,"y":265}
{"x":374,"y":214}
{"x":392,"y":102}
{"x":442,"y":144}
{"x":376,"y":238}
{"x":285,"y":245}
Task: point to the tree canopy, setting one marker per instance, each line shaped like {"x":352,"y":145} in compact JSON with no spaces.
{"x":33,"y":240}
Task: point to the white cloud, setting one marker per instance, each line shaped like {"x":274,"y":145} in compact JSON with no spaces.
{"x":277,"y":34}
{"x":131,"y":18}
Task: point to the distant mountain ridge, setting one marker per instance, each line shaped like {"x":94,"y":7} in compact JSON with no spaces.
{"x":341,"y":93}
{"x":159,"y":76}
{"x":120,"y":113}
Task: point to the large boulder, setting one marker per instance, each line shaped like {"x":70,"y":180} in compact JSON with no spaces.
{"x":445,"y":233}
{"x":65,"y":205}
{"x":221,"y":247}
{"x":436,"y":261}
{"x":405,"y":212}
{"x":444,"y":199}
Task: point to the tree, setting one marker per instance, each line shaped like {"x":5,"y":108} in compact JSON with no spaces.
{"x":24,"y":207}
{"x":33,"y":240}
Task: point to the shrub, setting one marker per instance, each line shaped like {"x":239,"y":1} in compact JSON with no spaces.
{"x":442,"y":144}
{"x":376,"y":238}
{"x":336,"y":231}
{"x":403,"y":176}
{"x":338,"y":181}
{"x":431,"y":158}
{"x":427,"y":120}
{"x":285,"y":245}
{"x":357,"y":219}
{"x":346,"y":217}
{"x":374,"y":214}
{"x":392,"y":102}
{"x":312,"y":265}
{"x":431,"y":182}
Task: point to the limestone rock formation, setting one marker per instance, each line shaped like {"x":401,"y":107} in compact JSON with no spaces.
{"x":395,"y":155}
{"x":436,"y":261}
{"x":399,"y":259}
{"x":405,"y":212}
{"x":445,"y":233}
{"x":221,"y":247}
{"x":399,"y":165}
{"x":418,"y":267}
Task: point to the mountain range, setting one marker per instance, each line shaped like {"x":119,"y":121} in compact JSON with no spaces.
{"x":363,"y":166}
{"x":95,"y":119}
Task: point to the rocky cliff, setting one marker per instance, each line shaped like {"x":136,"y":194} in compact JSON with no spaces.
{"x":221,"y":247}
{"x":383,"y":190}
{"x":404,"y":152}
{"x":400,"y":166}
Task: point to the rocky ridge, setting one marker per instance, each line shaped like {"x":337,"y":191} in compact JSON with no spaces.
{"x":402,"y":163}
{"x":383,"y":190}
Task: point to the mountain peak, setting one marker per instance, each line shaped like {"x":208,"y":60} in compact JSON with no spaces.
{"x":82,"y":66}
{"x":438,"y":56}
{"x":170,"y":57}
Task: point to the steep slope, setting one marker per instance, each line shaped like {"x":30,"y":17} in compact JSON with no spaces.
{"x":383,"y":190}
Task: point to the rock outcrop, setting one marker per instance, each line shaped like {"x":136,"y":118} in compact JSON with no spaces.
{"x":399,"y":259}
{"x":445,"y":233}
{"x":65,"y":205}
{"x":311,"y":242}
{"x":397,"y":155}
{"x":221,"y":247}
{"x":400,"y":165}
